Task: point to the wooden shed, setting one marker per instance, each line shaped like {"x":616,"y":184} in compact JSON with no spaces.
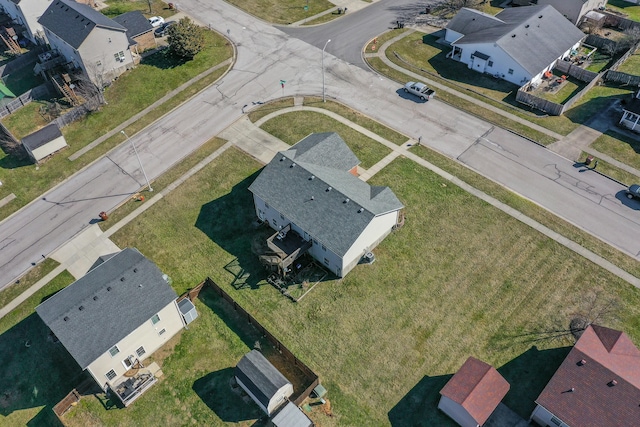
{"x":262,"y":381}
{"x":44,"y":142}
{"x":473,"y":393}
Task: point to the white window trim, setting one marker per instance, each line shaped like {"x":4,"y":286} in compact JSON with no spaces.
{"x":107,"y":375}
{"x":116,"y":353}
{"x":154,"y":316}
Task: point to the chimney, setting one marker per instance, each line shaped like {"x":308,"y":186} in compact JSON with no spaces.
{"x":582,"y":362}
{"x":612,"y":383}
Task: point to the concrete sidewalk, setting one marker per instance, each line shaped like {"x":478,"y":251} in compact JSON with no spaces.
{"x":348,"y":5}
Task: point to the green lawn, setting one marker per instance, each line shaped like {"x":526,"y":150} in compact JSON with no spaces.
{"x":282,"y":11}
{"x":620,"y":147}
{"x":453,"y":282}
{"x":22,"y":80}
{"x":632,"y":10}
{"x":10,"y":292}
{"x":631,"y":65}
{"x":148,"y":7}
{"x":292,"y":127}
{"x":131,"y":93}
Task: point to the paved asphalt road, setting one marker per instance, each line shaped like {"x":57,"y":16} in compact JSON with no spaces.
{"x":265,"y":56}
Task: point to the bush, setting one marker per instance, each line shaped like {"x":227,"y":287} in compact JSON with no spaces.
{"x":186,"y":39}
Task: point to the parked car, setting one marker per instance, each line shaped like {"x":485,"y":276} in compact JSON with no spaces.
{"x":162,"y":30}
{"x":420,"y":90}
{"x":633,"y":192}
{"x":156,"y":21}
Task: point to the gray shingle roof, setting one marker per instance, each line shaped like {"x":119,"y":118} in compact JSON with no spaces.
{"x":260,"y":376}
{"x":533,"y":36}
{"x":73,"y":22}
{"x":98,"y":310}
{"x":42,"y":136}
{"x":291,"y":416}
{"x":135,"y":23}
{"x":318,"y":205}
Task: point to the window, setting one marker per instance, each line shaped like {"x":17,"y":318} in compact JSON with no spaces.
{"x":266,"y":205}
{"x":315,"y":242}
{"x":140,"y":352}
{"x":275,"y":224}
{"x":556,"y":421}
{"x":490,"y":63}
{"x":114,"y":350}
{"x":324,"y":248}
{"x":98,"y":63}
{"x":282,"y":217}
{"x":326,"y":261}
{"x":162,"y":332}
{"x":155,"y":319}
{"x":119,"y":56}
{"x":510,"y":71}
{"x":110,"y":375}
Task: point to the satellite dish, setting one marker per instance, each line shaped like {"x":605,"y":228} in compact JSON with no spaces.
{"x":15,"y":37}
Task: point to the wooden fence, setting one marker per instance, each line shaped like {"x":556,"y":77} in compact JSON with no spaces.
{"x":286,"y":353}
{"x":575,"y":71}
{"x":601,"y":43}
{"x":37,"y":92}
{"x":617,"y":21}
{"x":21,"y":61}
{"x":618,"y":76}
{"x":67,"y":403}
{"x":541,"y":104}
{"x":75,"y":114}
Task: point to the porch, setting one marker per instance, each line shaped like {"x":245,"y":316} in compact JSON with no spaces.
{"x":286,"y":246}
{"x":135,"y":382}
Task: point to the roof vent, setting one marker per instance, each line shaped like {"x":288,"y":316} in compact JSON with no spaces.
{"x":95,"y":298}
{"x":540,"y":17}
{"x":140,"y":285}
{"x":282,"y":158}
{"x":612,"y":383}
{"x":312,"y":177}
{"x":81,"y":308}
{"x":346,"y":201}
{"x":572,"y":389}
{"x":513,"y":35}
{"x":293,"y":165}
{"x":312,"y":198}
{"x":526,"y":26}
{"x":135,"y":270}
{"x":66,"y":318}
{"x":360,"y":210}
{"x":108,"y":288}
{"x":122,"y":279}
{"x":329,"y":188}
{"x":582,"y":362}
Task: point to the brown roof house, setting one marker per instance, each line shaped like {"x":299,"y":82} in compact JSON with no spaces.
{"x":597,"y":384}
{"x":139,"y":32}
{"x":473,"y":393}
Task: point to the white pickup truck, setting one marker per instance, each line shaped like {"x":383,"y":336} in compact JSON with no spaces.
{"x":420,"y":90}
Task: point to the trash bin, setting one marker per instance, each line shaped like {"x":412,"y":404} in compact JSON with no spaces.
{"x":588,"y":160}
{"x":103,"y":216}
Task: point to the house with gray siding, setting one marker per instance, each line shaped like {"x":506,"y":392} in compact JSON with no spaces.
{"x":313,"y":190}
{"x":90,"y":41}
{"x":26,"y":13}
{"x":113,"y":318}
{"x":573,"y":10}
{"x":518,"y":44}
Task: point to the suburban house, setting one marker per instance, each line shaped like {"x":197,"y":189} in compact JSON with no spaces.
{"x":631,"y":114}
{"x":473,"y":393}
{"x":262,"y":381}
{"x":113,"y":318}
{"x":44,"y":142}
{"x":597,"y":384}
{"x":573,"y":10}
{"x":26,"y":14}
{"x":519,"y":44}
{"x":311,"y":196}
{"x":88,"y":39}
{"x":139,"y":32}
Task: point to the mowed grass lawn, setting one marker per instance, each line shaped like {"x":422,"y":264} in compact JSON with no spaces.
{"x":632,"y":10}
{"x":460,"y":278}
{"x":130,"y":94}
{"x":282,"y":11}
{"x":292,"y":127}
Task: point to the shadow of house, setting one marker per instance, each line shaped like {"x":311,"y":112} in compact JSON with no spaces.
{"x":227,"y":222}
{"x":527,"y":374}
{"x":225,"y":398}
{"x":419,"y":407}
{"x":36,"y":371}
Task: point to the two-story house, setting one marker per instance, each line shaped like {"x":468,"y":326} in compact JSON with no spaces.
{"x":26,"y":13}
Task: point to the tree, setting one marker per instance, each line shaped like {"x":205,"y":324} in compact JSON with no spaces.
{"x":186,"y":38}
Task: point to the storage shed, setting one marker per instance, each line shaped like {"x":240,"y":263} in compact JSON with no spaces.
{"x":291,"y":416}
{"x":473,"y":393}
{"x":44,"y":142}
{"x":188,"y":310}
{"x":262,"y":381}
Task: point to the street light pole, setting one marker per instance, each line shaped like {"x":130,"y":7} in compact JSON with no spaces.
{"x":325,"y":46}
{"x":139,"y":161}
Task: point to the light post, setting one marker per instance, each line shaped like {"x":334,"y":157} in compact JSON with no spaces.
{"x":325,"y":46}
{"x":139,"y":161}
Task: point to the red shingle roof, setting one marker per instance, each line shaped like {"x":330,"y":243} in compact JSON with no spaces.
{"x":598,"y":383}
{"x":478,"y":388}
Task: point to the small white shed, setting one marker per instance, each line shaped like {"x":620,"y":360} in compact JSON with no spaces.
{"x":262,"y":381}
{"x":291,"y":416}
{"x":44,"y":142}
